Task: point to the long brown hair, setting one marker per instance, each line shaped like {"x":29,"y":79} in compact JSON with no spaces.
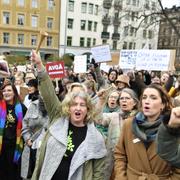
{"x":166,"y":100}
{"x":17,"y":98}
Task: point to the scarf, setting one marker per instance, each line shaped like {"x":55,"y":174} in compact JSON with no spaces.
{"x":19,"y":115}
{"x":145,"y":130}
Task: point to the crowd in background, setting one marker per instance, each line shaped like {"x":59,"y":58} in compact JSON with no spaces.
{"x":97,"y":125}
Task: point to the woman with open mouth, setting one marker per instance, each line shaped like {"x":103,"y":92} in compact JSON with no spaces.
{"x":72,"y":149}
{"x":135,"y":154}
{"x":12,"y":112}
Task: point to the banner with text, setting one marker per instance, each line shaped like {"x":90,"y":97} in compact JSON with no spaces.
{"x":55,"y":69}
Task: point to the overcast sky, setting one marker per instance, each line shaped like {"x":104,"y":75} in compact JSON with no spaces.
{"x":170,"y":3}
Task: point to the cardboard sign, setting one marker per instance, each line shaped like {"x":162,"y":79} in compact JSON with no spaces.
{"x":80,"y":64}
{"x":101,"y":53}
{"x":55,"y":69}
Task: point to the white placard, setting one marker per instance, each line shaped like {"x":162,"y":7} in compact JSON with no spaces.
{"x":157,"y":60}
{"x":101,"y":53}
{"x":127,"y":59}
{"x":80,"y":64}
{"x":105,"y":67}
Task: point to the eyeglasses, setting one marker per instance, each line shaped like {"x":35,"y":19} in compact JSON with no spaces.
{"x":125,"y":98}
{"x":113,"y":97}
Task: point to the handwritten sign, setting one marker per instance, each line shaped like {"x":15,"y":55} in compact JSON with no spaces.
{"x":101,"y":53}
{"x":80,"y":64}
{"x":157,"y":60}
{"x":128,"y":59}
{"x":55,"y":69}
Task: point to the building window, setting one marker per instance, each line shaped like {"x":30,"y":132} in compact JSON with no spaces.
{"x":126,"y":28}
{"x":20,"y":2}
{"x":34,"y":3}
{"x":88,"y":42}
{"x":82,"y":41}
{"x":89,"y":25}
{"x":6,"y":37}
{"x":90,"y":8}
{"x":94,"y":41}
{"x":34,"y":40}
{"x":125,"y":45}
{"x":96,"y":9}
{"x":143,"y":45}
{"x":6,"y":17}
{"x":95,"y":26}
{"x":50,"y":4}
{"x":6,"y":1}
{"x":69,"y":40}
{"x":20,"y":39}
{"x":49,"y":23}
{"x":70,"y":23}
{"x":104,"y":41}
{"x":20,"y":20}
{"x":150,"y":46}
{"x":83,"y":24}
{"x":71,"y":5}
{"x":83,"y":7}
{"x":150,"y":34}
{"x":49,"y":41}
{"x":134,"y":46}
{"x":134,"y":2}
{"x":114,"y":45}
{"x":130,"y":45}
{"x":128,"y":2}
{"x":34,"y":20}
{"x":144,"y":33}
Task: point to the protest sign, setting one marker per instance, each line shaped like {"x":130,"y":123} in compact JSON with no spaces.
{"x":128,"y":59}
{"x":80,"y":64}
{"x":115,"y":59}
{"x":105,"y":67}
{"x":101,"y":53}
{"x":157,"y":60}
{"x":55,"y":69}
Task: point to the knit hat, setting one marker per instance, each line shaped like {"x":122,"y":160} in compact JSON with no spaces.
{"x":123,"y":78}
{"x":33,"y":83}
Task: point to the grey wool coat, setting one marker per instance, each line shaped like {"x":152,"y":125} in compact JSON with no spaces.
{"x":88,"y":160}
{"x":32,"y":128}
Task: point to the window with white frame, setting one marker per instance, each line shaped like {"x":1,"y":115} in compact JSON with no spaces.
{"x":69,"y":41}
{"x":33,"y":40}
{"x":6,"y":1}
{"x":6,"y":17}
{"x":88,"y":42}
{"x":89,"y":25}
{"x":83,"y":7}
{"x":6,"y":37}
{"x":70,"y":23}
{"x":82,"y":41}
{"x":20,"y":2}
{"x":34,"y":21}
{"x":96,"y":9}
{"x":49,"y":41}
{"x":94,"y":41}
{"x":49,"y":23}
{"x":91,"y":8}
{"x":20,"y":39}
{"x":71,"y":5}
{"x":34,"y":3}
{"x":83,"y":24}
{"x":50,"y":4}
{"x":95,"y":26}
{"x":20,"y":20}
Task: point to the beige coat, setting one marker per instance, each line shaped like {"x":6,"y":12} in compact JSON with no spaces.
{"x":134,"y":162}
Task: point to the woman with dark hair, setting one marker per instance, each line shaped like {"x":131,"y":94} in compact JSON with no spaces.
{"x":135,"y":154}
{"x":12,"y":112}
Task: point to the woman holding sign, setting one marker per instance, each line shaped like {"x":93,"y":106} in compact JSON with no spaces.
{"x":72,"y":148}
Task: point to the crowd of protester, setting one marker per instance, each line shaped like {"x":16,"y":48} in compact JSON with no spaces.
{"x":92,"y":126}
